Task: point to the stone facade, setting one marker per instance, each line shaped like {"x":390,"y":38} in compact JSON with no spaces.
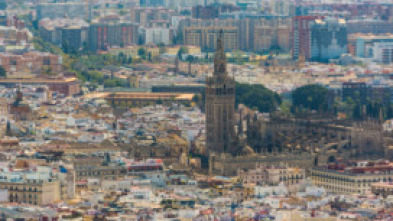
{"x":228,"y":165}
{"x":272,"y":175}
{"x":220,"y":105}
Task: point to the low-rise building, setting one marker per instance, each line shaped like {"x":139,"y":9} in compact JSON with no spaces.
{"x":96,"y":167}
{"x":272,"y":175}
{"x":31,"y":62}
{"x":140,"y":99}
{"x":61,"y":85}
{"x":352,"y":178}
{"x":382,"y":188}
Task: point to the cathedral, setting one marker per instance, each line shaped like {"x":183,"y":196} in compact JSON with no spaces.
{"x":220,"y":105}
{"x":304,"y":141}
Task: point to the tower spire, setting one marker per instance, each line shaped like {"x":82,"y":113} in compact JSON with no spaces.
{"x":220,"y":105}
{"x":220,"y":63}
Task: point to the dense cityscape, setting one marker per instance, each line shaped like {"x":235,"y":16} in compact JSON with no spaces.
{"x":199,"y":110}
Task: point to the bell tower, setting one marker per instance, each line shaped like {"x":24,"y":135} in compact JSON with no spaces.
{"x":220,"y":105}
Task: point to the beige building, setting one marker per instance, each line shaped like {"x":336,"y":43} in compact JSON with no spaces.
{"x":351,"y":180}
{"x":206,"y":37}
{"x":272,"y":175}
{"x":268,"y":37}
{"x":30,"y":188}
{"x":95,"y":167}
{"x":3,"y":107}
{"x":173,"y":50}
{"x":133,"y":51}
{"x":382,"y":189}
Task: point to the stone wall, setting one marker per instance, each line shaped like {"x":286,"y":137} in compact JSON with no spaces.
{"x":227,"y":165}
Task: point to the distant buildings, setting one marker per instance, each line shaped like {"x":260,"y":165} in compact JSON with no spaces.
{"x":149,"y":17}
{"x":212,"y":11}
{"x":205,"y":12}
{"x":352,"y":178}
{"x":60,"y":85}
{"x":36,"y":188}
{"x":363,"y":92}
{"x":361,"y":45}
{"x":276,"y":37}
{"x":15,"y":36}
{"x":383,"y":52}
{"x":70,"y":34}
{"x":63,"y":10}
{"x":96,"y":167}
{"x":328,"y":39}
{"x":152,"y":3}
{"x":206,"y":37}
{"x":3,"y":4}
{"x":139,"y":99}
{"x":301,"y":36}
{"x":318,"y":39}
{"x":382,"y":188}
{"x":75,"y":34}
{"x":251,"y":33}
{"x":104,"y":35}
{"x":272,"y":175}
{"x":369,"y":26}
{"x":157,"y":36}
{"x":31,"y":62}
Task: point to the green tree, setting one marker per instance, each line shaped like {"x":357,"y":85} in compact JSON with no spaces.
{"x":108,"y":83}
{"x":3,"y":73}
{"x":310,"y":97}
{"x":181,"y":51}
{"x":257,"y":96}
{"x":161,"y":46}
{"x":190,"y":58}
{"x":238,"y":55}
{"x":149,"y":56}
{"x":142,"y":53}
{"x":253,"y":96}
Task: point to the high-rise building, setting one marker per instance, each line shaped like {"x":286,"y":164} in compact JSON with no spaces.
{"x":157,"y":35}
{"x":70,"y":34}
{"x":301,"y":36}
{"x":328,"y":39}
{"x":74,"y":38}
{"x":247,"y":27}
{"x":272,"y":37}
{"x":3,"y":4}
{"x":383,"y":52}
{"x":220,"y":104}
{"x":149,"y":17}
{"x":205,"y":12}
{"x":369,"y":26}
{"x":280,"y":7}
{"x":105,"y":35}
{"x":62,"y":10}
{"x":206,"y":37}
{"x":152,"y":3}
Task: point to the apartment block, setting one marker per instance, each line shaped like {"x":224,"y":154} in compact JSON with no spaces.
{"x":206,"y":37}
{"x":103,"y":36}
{"x":31,"y":62}
{"x":34,"y":188}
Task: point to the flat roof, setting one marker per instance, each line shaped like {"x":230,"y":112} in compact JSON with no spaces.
{"x":140,"y":95}
{"x":37,"y":80}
